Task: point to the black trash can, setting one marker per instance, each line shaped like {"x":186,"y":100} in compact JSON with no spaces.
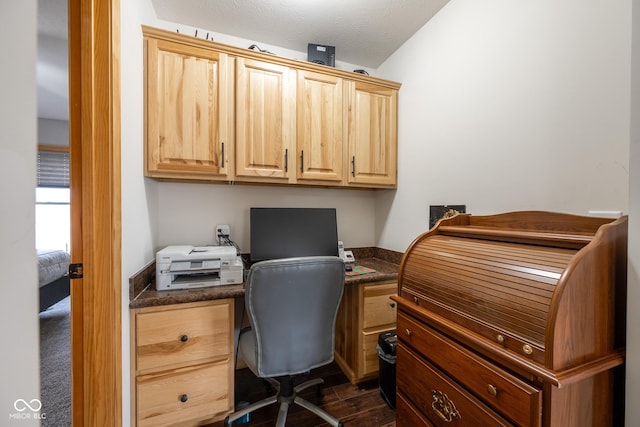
{"x":387,"y":362}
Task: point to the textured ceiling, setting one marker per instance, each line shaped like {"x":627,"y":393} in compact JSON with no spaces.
{"x":364,"y":32}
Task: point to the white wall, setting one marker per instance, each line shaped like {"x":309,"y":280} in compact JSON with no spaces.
{"x":632,"y":415}
{"x":20,"y":368}
{"x":53,"y":132}
{"x":511,"y":106}
{"x":188,"y":214}
{"x":139,"y":195}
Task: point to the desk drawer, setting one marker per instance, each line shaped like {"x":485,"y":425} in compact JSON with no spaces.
{"x":438,"y":397}
{"x":184,"y":396}
{"x":179,"y":336}
{"x":370,"y":358}
{"x":505,"y":393}
{"x":378,"y":308}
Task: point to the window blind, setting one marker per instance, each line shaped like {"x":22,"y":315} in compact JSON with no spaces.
{"x":53,"y":169}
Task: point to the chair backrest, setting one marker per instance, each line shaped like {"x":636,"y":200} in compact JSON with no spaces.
{"x":292,"y":306}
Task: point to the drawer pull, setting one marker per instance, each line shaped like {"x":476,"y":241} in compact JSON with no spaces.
{"x":492,"y":390}
{"x":184,"y":398}
{"x":527,"y":349}
{"x":407,"y":332}
{"x":500,"y":338}
{"x":444,"y":407}
{"x":184,"y":338}
{"x":415,"y":300}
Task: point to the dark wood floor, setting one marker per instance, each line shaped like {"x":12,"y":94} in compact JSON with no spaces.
{"x":360,"y":405}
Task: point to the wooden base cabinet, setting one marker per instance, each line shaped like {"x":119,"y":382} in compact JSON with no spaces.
{"x":365,"y":312}
{"x":182,"y":363}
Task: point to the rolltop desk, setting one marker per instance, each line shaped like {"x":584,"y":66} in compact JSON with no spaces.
{"x":513,"y":319}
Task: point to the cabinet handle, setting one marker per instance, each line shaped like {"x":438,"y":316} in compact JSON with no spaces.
{"x":415,"y":300}
{"x":500,"y":338}
{"x":444,"y":407}
{"x":527,"y":349}
{"x":353,"y":166}
{"x":492,"y":390}
{"x":184,"y":398}
{"x":222,"y":165}
{"x":184,"y":338}
{"x":286,"y":160}
{"x":301,"y":161}
{"x":407,"y":332}
{"x":392,"y":305}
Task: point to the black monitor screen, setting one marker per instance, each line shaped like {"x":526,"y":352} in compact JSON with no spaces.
{"x":292,"y":232}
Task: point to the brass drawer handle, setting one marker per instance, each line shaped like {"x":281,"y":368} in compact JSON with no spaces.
{"x":527,"y":349}
{"x":415,"y":300}
{"x":492,"y":390}
{"x":444,"y":407}
{"x":500,"y":338}
{"x":407,"y":332}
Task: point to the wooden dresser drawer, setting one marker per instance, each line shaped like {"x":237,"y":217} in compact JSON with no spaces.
{"x":438,"y":397}
{"x":187,"y":396}
{"x":179,"y":336}
{"x":378,"y":308}
{"x":407,"y":415}
{"x":512,"y":397}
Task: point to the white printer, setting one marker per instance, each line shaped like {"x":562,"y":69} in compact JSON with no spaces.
{"x":187,"y":267}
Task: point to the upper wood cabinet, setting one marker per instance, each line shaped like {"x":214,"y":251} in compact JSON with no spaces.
{"x":187,"y":106}
{"x":265,"y":120}
{"x":319,"y":127}
{"x":372,"y":134}
{"x":221,"y":113}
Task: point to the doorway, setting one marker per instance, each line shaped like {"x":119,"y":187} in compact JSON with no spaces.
{"x":94,"y":135}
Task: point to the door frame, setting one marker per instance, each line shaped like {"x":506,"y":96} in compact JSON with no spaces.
{"x":94,"y":139}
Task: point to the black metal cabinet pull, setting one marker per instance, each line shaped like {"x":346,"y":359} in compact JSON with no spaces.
{"x":184,"y":338}
{"x":184,"y":398}
{"x":302,"y":161}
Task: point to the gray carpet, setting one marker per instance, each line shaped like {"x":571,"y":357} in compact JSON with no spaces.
{"x":55,"y":365}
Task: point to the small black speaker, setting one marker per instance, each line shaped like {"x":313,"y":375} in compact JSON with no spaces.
{"x":320,"y":54}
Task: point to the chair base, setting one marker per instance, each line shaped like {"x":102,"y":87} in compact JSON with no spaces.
{"x":287,"y":394}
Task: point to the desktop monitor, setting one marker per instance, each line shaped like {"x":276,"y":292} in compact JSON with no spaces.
{"x":292,"y":232}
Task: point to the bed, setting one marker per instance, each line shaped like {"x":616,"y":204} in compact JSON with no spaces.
{"x":53,"y":274}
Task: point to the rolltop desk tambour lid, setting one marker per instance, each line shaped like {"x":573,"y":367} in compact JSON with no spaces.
{"x":546,"y":290}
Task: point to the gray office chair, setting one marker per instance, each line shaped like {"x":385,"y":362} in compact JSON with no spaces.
{"x":292,"y":306}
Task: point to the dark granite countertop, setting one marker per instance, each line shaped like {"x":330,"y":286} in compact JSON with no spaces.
{"x":144,"y":294}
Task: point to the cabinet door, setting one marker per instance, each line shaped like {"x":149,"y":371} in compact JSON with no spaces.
{"x":265,"y":120}
{"x":319,"y":127}
{"x":372,"y":154}
{"x":186,"y":111}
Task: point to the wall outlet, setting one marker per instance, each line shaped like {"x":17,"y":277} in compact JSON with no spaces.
{"x":223,"y":232}
{"x":437,"y":212}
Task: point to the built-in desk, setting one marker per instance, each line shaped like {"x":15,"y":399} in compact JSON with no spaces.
{"x":143,"y":292}
{"x":182,"y":341}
